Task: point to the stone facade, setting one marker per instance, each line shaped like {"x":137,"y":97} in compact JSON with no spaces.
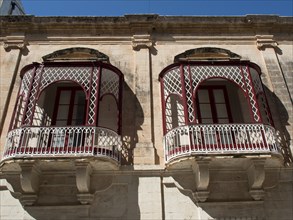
{"x":144,"y":186}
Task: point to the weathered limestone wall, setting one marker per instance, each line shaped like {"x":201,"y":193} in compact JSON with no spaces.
{"x":10,"y":208}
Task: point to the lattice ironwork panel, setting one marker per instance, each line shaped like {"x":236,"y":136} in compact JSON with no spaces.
{"x":200,"y":73}
{"x":80,"y":75}
{"x":29,"y":112}
{"x":250,"y":91}
{"x":93,"y":99}
{"x":259,"y":92}
{"x":264,"y":109}
{"x":256,"y":82}
{"x":174,"y":113}
{"x":22,"y":97}
{"x":168,"y":113}
{"x":188,"y":91}
{"x":19,"y":112}
{"x":172,"y":83}
{"x":109,"y":83}
{"x":25,"y":83}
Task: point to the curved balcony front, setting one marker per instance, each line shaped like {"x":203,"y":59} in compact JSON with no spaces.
{"x":62,"y":142}
{"x":220,"y":139}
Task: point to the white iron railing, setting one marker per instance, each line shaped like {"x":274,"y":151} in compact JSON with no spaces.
{"x":222,"y":139}
{"x":62,"y":142}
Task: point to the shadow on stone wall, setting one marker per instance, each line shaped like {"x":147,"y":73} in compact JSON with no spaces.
{"x":227,"y":199}
{"x":119,"y":201}
{"x":281,"y":122}
{"x":132,"y":119}
{"x":114,"y":197}
{"x":225,"y":207}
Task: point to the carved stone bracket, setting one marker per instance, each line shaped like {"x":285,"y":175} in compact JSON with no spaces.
{"x":28,"y":199}
{"x":202,"y":179}
{"x":256,"y":177}
{"x":83,"y":177}
{"x":14,"y":42}
{"x":265,"y":41}
{"x":141,"y":41}
{"x":29,"y":181}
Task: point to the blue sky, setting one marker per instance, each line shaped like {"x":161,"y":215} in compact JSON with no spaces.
{"x":162,"y":7}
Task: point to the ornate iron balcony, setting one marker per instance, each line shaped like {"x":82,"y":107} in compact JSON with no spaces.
{"x":48,"y":142}
{"x":220,"y":139}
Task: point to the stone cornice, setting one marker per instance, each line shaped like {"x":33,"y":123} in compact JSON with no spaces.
{"x":128,"y":24}
{"x":149,"y":18}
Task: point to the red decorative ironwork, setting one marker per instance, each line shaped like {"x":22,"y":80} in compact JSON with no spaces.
{"x":28,"y":136}
{"x":251,"y":93}
{"x":172,"y":85}
{"x":93,"y":100}
{"x":260,"y":94}
{"x":62,"y":142}
{"x":86,"y":75}
{"x":220,"y":139}
{"x":195,"y":74}
{"x":182,"y":81}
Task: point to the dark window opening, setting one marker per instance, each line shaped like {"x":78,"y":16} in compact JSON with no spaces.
{"x":213,"y":105}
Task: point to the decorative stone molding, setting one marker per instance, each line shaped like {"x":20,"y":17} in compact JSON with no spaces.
{"x":29,"y":177}
{"x":85,"y":198}
{"x":202,"y":179}
{"x":29,"y":181}
{"x":201,"y":196}
{"x":14,"y":42}
{"x":256,"y":177}
{"x":265,"y":41}
{"x":141,"y":41}
{"x":76,"y":54}
{"x":197,"y":186}
{"x":83,"y":177}
{"x":206,"y":53}
{"x":28,"y":199}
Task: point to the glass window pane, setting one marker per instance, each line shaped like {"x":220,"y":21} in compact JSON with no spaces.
{"x":219,"y":96}
{"x":64,"y":97}
{"x":79,"y":97}
{"x":78,"y":111}
{"x":223,"y":120}
{"x":62,"y":112}
{"x":77,"y":121}
{"x":205,"y":110}
{"x":207,"y":120}
{"x":203,"y":96}
{"x":61,"y":122}
{"x":221,"y":110}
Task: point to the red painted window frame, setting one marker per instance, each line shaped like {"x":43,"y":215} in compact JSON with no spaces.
{"x":73,"y":90}
{"x":210,"y":89}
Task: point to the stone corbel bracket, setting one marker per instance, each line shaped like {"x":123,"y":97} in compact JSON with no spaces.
{"x":265,"y":41}
{"x":29,"y":181}
{"x":15,"y":42}
{"x":141,"y":41}
{"x":83,"y":179}
{"x":256,"y":177}
{"x":202,"y":179}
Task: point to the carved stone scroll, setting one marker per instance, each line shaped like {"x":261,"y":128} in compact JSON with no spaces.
{"x":83,"y":175}
{"x":256,"y":177}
